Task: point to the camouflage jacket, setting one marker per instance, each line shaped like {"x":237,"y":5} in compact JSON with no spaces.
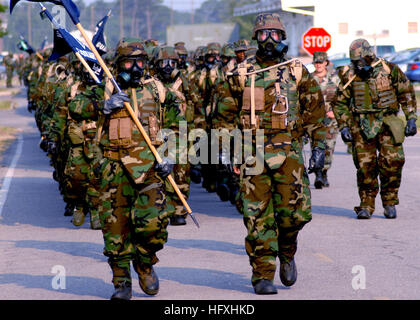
{"x":365,"y":102}
{"x":121,"y":140}
{"x":299,"y":94}
{"x":203,"y":84}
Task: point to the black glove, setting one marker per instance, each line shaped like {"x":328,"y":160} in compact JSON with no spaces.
{"x":115,"y":102}
{"x":52,"y":148}
{"x":346,"y":135}
{"x":411,"y":128}
{"x":164,"y":168}
{"x":43,"y":144}
{"x":316,"y":162}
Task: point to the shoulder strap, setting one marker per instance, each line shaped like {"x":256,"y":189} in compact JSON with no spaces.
{"x":297,"y":70}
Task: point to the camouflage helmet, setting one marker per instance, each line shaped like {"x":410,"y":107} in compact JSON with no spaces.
{"x":129,"y":47}
{"x":213,"y":48}
{"x":228,"y":50}
{"x":166,"y":52}
{"x":268,"y":21}
{"x":320,"y":57}
{"x":360,"y":48}
{"x":180,"y":48}
{"x":151,"y":43}
{"x":241,"y":45}
{"x":199,"y":52}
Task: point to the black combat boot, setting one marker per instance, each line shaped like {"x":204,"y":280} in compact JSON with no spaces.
{"x":195,"y":174}
{"x":390,"y":212}
{"x":68,"y":211}
{"x":319,"y":181}
{"x":148,"y":279}
{"x":122,"y":291}
{"x":288,"y":272}
{"x":325,"y":179}
{"x":223,"y":191}
{"x":264,"y":286}
{"x":363,"y":214}
{"x":177,"y":221}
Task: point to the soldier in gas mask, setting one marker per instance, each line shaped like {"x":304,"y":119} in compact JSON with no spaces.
{"x":166,"y":71}
{"x":133,"y":208}
{"x":369,"y":97}
{"x":278,"y":95}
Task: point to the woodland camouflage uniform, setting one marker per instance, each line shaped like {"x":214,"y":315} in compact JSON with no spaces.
{"x":369,"y":108}
{"x":276,"y":202}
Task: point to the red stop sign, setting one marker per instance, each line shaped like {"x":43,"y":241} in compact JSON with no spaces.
{"x":316,"y":39}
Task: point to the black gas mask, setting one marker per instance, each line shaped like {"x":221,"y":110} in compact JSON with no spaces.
{"x":363,"y":67}
{"x":182,"y":64}
{"x":210,"y":61}
{"x":97,"y":70}
{"x":167,"y":68}
{"x":225,"y":60}
{"x":270,"y":43}
{"x":130,"y":71}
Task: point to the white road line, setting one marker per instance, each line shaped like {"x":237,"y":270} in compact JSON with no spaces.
{"x":9,"y":174}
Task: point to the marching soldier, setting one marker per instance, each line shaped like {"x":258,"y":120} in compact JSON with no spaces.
{"x":281,"y":97}
{"x":369,"y":97}
{"x":133,"y":210}
{"x":328,"y":82}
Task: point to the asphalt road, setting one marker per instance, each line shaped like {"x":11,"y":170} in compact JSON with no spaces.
{"x":339,"y":257}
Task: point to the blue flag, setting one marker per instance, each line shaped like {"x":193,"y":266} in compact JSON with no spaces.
{"x":98,"y":39}
{"x":69,"y":44}
{"x":69,"y":5}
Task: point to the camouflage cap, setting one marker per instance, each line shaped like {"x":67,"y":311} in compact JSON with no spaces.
{"x":129,"y":47}
{"x":180,"y":48}
{"x":166,"y":52}
{"x":268,"y":21}
{"x":241,"y":45}
{"x":320,"y":57}
{"x":228,"y":50}
{"x":360,"y":48}
{"x":213,"y":48}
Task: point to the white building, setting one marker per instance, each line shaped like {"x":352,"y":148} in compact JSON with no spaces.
{"x":384,"y":22}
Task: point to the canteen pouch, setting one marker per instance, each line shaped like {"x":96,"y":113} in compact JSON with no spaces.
{"x":396,"y":126}
{"x":259,"y":99}
{"x":75,"y":133}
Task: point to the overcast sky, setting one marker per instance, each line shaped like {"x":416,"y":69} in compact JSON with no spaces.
{"x":180,"y":5}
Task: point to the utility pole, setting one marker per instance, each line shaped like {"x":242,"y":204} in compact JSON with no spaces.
{"x":148,"y":21}
{"x":172,"y":12}
{"x":192,"y":11}
{"x":29,"y":23}
{"x":92,"y":17}
{"x":121,"y":19}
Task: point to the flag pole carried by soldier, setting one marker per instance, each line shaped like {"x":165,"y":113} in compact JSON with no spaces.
{"x":371,"y":93}
{"x":281,"y":97}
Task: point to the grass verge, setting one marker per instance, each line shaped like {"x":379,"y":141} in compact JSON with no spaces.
{"x":7,"y":136}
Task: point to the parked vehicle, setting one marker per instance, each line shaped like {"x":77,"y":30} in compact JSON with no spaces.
{"x":385,"y":51}
{"x":402,"y":58}
{"x":413,"y":70}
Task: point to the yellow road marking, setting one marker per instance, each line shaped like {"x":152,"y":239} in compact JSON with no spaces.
{"x":323,"y":257}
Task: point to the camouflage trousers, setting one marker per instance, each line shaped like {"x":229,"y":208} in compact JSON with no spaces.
{"x":9,"y":77}
{"x":81,"y":187}
{"x":181,"y":174}
{"x":331,"y":139}
{"x":134,"y":218}
{"x":381,"y":157}
{"x":276,"y":205}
